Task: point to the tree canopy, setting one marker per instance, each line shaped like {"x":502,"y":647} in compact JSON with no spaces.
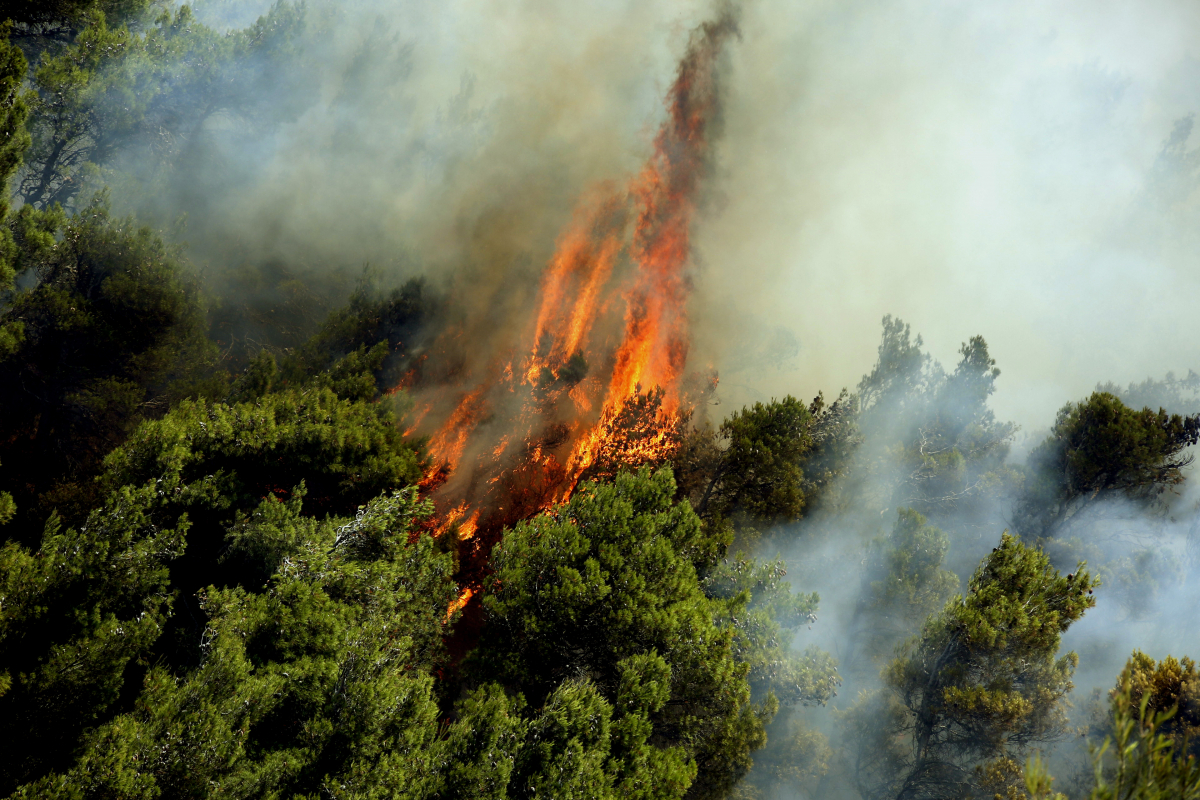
{"x":1100,"y":448}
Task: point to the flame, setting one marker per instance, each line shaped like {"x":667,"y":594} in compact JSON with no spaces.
{"x":467,"y":529}
{"x":458,"y":604}
{"x":450,"y":518}
{"x":583,"y":262}
{"x":446,"y":446}
{"x":416,"y":418}
{"x":599,"y":378}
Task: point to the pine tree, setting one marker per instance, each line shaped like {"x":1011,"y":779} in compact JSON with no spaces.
{"x":1100,"y":449}
{"x":609,"y":577}
{"x":984,"y":682}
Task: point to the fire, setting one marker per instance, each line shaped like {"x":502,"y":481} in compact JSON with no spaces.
{"x":586,"y":254}
{"x":598,"y":380}
{"x":447,"y":445}
{"x":458,"y":604}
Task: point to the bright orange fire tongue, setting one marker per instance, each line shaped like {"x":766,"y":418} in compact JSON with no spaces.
{"x":566,"y":412}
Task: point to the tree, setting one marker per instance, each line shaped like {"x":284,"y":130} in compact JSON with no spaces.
{"x":1170,"y":688}
{"x":63,"y":19}
{"x":323,"y":683}
{"x":835,"y":441}
{"x":1101,"y":449}
{"x":933,"y":443}
{"x":901,"y":375}
{"x":757,"y":472}
{"x":1139,"y":759}
{"x":911,"y":583}
{"x":110,"y":88}
{"x":14,"y":111}
{"x":76,"y":616}
{"x":983,"y":683}
{"x":1148,"y":765}
{"x":111,"y":334}
{"x":371,"y":318}
{"x":183,"y":510}
{"x":639,"y":434}
{"x":609,"y":577}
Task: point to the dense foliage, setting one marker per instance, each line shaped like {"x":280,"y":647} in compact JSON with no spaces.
{"x":1100,"y":448}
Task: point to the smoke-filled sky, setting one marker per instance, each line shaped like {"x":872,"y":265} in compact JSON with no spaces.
{"x":972,"y":168}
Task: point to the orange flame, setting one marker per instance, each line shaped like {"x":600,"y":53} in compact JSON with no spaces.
{"x":458,"y":604}
{"x":446,"y":446}
{"x":563,"y":404}
{"x":583,"y":262}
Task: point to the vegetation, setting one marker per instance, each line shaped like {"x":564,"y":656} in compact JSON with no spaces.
{"x":223,"y":572}
{"x":1098,"y":449}
{"x":983,"y":684}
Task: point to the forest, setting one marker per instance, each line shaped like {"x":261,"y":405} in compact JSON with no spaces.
{"x":274,"y":523}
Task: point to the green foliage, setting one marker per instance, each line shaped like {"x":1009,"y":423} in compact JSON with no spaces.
{"x":111,"y":90}
{"x":64,"y":18}
{"x":111,"y":334}
{"x":386,"y":325}
{"x":760,"y":473}
{"x":346,"y":451}
{"x":358,"y":352}
{"x":75,"y":616}
{"x":1167,"y":687}
{"x":828,"y":462}
{"x":14,"y":110}
{"x":765,"y":462}
{"x":984,"y":681}
{"x":1140,"y":760}
{"x":609,"y":577}
{"x":98,"y":596}
{"x":270,"y":305}
{"x":902,"y":373}
{"x":1100,"y":448}
{"x":320,"y":684}
{"x":912,"y":583}
{"x":760,"y":609}
{"x":1146,"y":764}
{"x":215,"y":462}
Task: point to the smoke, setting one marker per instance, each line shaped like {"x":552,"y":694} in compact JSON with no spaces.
{"x":1000,"y":169}
{"x":984,"y":169}
{"x":449,"y":140}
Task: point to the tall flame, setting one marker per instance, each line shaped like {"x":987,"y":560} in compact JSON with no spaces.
{"x":524,"y":436}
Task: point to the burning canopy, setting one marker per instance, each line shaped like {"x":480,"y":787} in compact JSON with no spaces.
{"x":600,"y":377}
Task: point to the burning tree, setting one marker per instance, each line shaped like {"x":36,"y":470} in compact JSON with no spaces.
{"x":588,"y":389}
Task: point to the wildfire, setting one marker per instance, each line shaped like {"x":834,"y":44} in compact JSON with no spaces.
{"x":447,"y":445}
{"x":568,"y":401}
{"x":458,"y":603}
